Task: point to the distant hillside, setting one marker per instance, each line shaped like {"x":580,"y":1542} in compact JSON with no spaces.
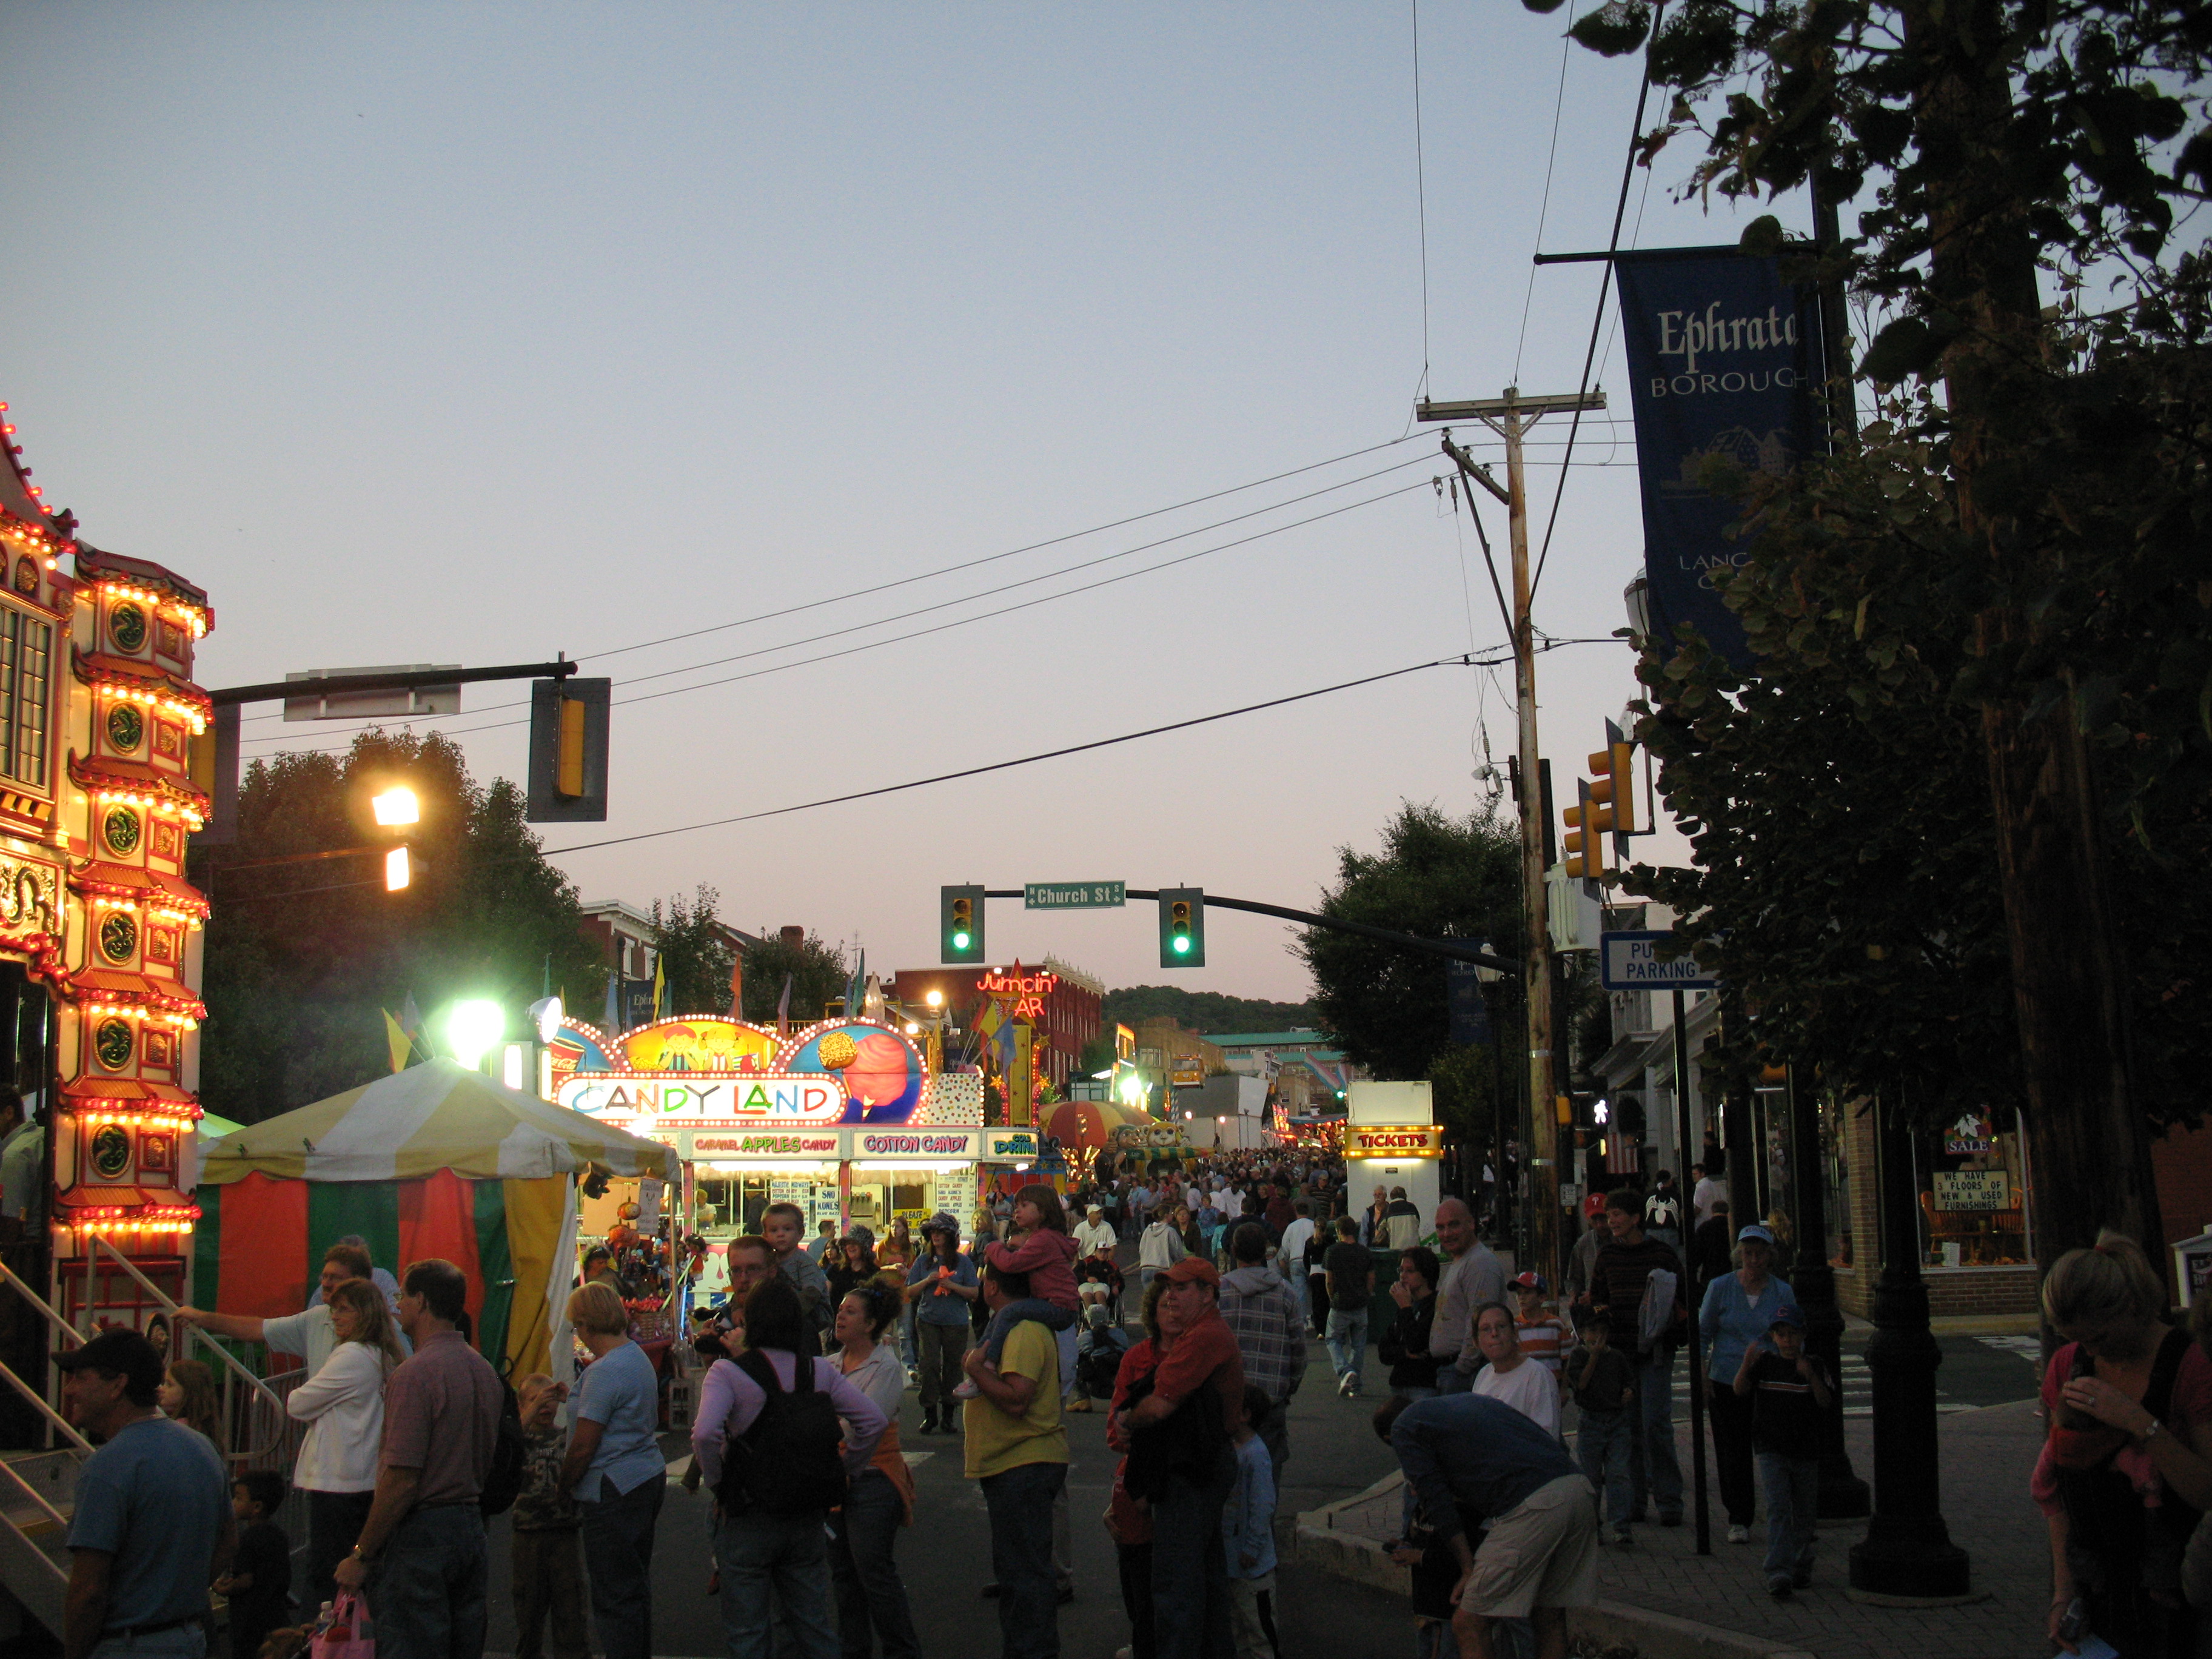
{"x":1203,"y":1011}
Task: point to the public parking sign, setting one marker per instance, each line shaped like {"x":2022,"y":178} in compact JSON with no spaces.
{"x":1630,"y":961}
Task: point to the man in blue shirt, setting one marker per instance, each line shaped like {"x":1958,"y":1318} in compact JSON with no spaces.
{"x":1468,"y":1452}
{"x":153,"y":1525}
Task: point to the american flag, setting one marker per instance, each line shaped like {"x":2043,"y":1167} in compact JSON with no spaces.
{"x":1622,"y":1155}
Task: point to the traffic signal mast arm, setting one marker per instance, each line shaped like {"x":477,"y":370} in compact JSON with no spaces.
{"x":1442,"y":947}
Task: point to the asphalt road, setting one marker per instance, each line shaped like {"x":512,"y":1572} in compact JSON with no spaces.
{"x":945,"y":1556}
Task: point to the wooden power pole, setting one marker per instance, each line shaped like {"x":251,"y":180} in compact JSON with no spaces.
{"x":1511,"y":417}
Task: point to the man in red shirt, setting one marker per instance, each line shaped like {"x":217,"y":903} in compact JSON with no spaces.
{"x":1202,"y":1373}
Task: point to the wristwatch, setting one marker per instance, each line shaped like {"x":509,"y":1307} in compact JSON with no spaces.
{"x":2150,"y":1433}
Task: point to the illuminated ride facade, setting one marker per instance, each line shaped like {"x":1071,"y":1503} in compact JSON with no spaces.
{"x":102,"y":731}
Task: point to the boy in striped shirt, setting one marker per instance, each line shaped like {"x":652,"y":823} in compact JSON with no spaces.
{"x":1543,"y":1334}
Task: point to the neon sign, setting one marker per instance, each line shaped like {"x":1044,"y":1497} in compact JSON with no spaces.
{"x":1027,"y":991}
{"x":784,"y":1098}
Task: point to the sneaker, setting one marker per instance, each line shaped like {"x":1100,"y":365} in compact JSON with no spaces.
{"x":1739,"y":1534}
{"x":928,"y":1423}
{"x":966,"y":1388}
{"x":1619,"y":1535}
{"x":1344,"y":1386}
{"x":1801,"y":1578}
{"x":1777,"y":1586}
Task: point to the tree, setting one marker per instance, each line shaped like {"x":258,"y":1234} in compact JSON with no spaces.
{"x":695,"y":953}
{"x":1999,"y":140}
{"x":1201,"y":1010}
{"x":818,"y":973}
{"x":1442,"y":878}
{"x":302,"y":958}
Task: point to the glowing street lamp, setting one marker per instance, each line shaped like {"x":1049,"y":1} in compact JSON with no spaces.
{"x":473,"y":1030}
{"x":397,"y":805}
{"x":398,"y":870}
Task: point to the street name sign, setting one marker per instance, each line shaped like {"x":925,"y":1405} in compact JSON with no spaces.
{"x":1630,"y":961}
{"x":1074,"y":895}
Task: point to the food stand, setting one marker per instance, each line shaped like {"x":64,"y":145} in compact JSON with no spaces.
{"x":841,"y":1118}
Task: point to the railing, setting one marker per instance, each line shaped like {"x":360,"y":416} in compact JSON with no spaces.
{"x":34,"y":1494}
{"x":61,"y":1327}
{"x":256,"y":1451}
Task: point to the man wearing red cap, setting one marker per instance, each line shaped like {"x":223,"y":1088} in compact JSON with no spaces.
{"x":1200,"y":1384}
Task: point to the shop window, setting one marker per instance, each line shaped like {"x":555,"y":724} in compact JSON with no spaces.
{"x":1973,"y":1182}
{"x":25,"y":646}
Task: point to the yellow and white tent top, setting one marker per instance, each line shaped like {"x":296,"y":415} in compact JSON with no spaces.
{"x":430,"y":1117}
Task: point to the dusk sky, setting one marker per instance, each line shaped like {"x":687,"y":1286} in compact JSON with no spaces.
{"x":477,"y":334}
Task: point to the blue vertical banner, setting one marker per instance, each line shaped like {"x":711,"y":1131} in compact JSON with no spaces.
{"x":1724,"y":359}
{"x":1470,"y":1014}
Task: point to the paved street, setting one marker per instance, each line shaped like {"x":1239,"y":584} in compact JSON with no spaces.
{"x":1336,"y":1456}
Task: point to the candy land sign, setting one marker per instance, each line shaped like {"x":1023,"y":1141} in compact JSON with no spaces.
{"x":703,"y":1069}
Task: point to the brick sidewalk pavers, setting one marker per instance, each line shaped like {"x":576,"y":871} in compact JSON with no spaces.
{"x":1987,"y":1456}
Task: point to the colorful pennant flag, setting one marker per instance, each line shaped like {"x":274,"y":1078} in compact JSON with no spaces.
{"x":397,"y":1041}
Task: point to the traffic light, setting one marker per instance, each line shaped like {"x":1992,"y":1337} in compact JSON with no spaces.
{"x":1612,"y":786}
{"x":960,"y":923}
{"x":568,"y":751}
{"x":1182,"y":928}
{"x":1583,"y":847}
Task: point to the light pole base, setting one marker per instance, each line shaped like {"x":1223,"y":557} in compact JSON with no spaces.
{"x":1914,"y":1562}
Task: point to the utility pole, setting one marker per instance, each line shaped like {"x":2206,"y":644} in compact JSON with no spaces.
{"x":1511,"y":417}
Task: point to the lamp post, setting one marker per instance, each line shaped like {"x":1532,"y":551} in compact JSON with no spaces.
{"x":1907,"y":1557}
{"x":1843,"y":1496}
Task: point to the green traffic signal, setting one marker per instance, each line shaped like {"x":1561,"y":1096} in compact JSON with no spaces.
{"x":960,"y":923}
{"x":1182,"y":928}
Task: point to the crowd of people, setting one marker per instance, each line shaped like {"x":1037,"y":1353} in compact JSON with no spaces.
{"x":1189,"y":1302}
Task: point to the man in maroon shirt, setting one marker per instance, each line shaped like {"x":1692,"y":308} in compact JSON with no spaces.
{"x":422,"y":1550}
{"x":1190,"y":1573}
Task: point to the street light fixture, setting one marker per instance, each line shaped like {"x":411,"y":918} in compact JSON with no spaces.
{"x":398,"y":870}
{"x":397,"y":805}
{"x":473,"y":1030}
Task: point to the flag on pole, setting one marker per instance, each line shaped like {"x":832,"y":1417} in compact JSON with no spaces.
{"x":610,"y":1021}
{"x":396,"y":1041}
{"x":856,"y":989}
{"x":659,"y":985}
{"x":410,"y":1023}
{"x":783,"y":1009}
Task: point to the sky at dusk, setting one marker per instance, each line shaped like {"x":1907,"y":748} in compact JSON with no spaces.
{"x":425,"y":334}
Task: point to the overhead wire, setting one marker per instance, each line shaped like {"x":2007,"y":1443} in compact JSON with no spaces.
{"x":1604,"y":288}
{"x":1543,"y":212}
{"x":1468,"y":660}
{"x":960,"y":621}
{"x":983,"y":594}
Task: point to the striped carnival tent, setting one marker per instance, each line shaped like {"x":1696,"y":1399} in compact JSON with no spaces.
{"x":433,"y":1161}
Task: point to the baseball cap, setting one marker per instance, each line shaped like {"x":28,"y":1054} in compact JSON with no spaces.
{"x":1754,"y":1230}
{"x":126,"y":1353}
{"x":1787,"y":1314}
{"x":1531,"y":1281}
{"x":1193,"y":1269}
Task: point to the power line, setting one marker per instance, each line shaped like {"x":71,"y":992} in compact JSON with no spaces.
{"x":959,"y":622}
{"x":1604,"y":284}
{"x":983,"y":594}
{"x":1049,"y":754}
{"x":1544,"y":212}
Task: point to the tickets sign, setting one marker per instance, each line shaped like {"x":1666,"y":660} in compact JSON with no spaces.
{"x":1394,"y":1140}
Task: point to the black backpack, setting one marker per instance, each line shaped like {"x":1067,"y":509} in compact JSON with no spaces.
{"x":791,"y":1460}
{"x":509,"y":1453}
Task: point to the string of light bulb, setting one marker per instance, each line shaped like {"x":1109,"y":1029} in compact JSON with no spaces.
{"x":169,"y":605}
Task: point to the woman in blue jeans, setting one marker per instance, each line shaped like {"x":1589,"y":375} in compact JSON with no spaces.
{"x":617,"y":1471}
{"x":779,"y":1558}
{"x":871,"y":1600}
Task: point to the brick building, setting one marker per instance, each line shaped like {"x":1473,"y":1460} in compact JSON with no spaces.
{"x":1067,"y":1016}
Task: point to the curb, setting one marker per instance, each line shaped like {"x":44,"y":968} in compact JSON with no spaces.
{"x":1352,"y":1556}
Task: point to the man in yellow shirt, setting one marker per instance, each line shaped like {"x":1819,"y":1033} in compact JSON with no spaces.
{"x":1017,"y":1449}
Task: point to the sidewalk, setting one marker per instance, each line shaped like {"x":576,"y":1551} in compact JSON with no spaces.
{"x":1713,"y":1605}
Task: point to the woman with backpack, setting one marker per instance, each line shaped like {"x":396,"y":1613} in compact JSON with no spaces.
{"x":767,"y":1444}
{"x":871,"y":1600}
